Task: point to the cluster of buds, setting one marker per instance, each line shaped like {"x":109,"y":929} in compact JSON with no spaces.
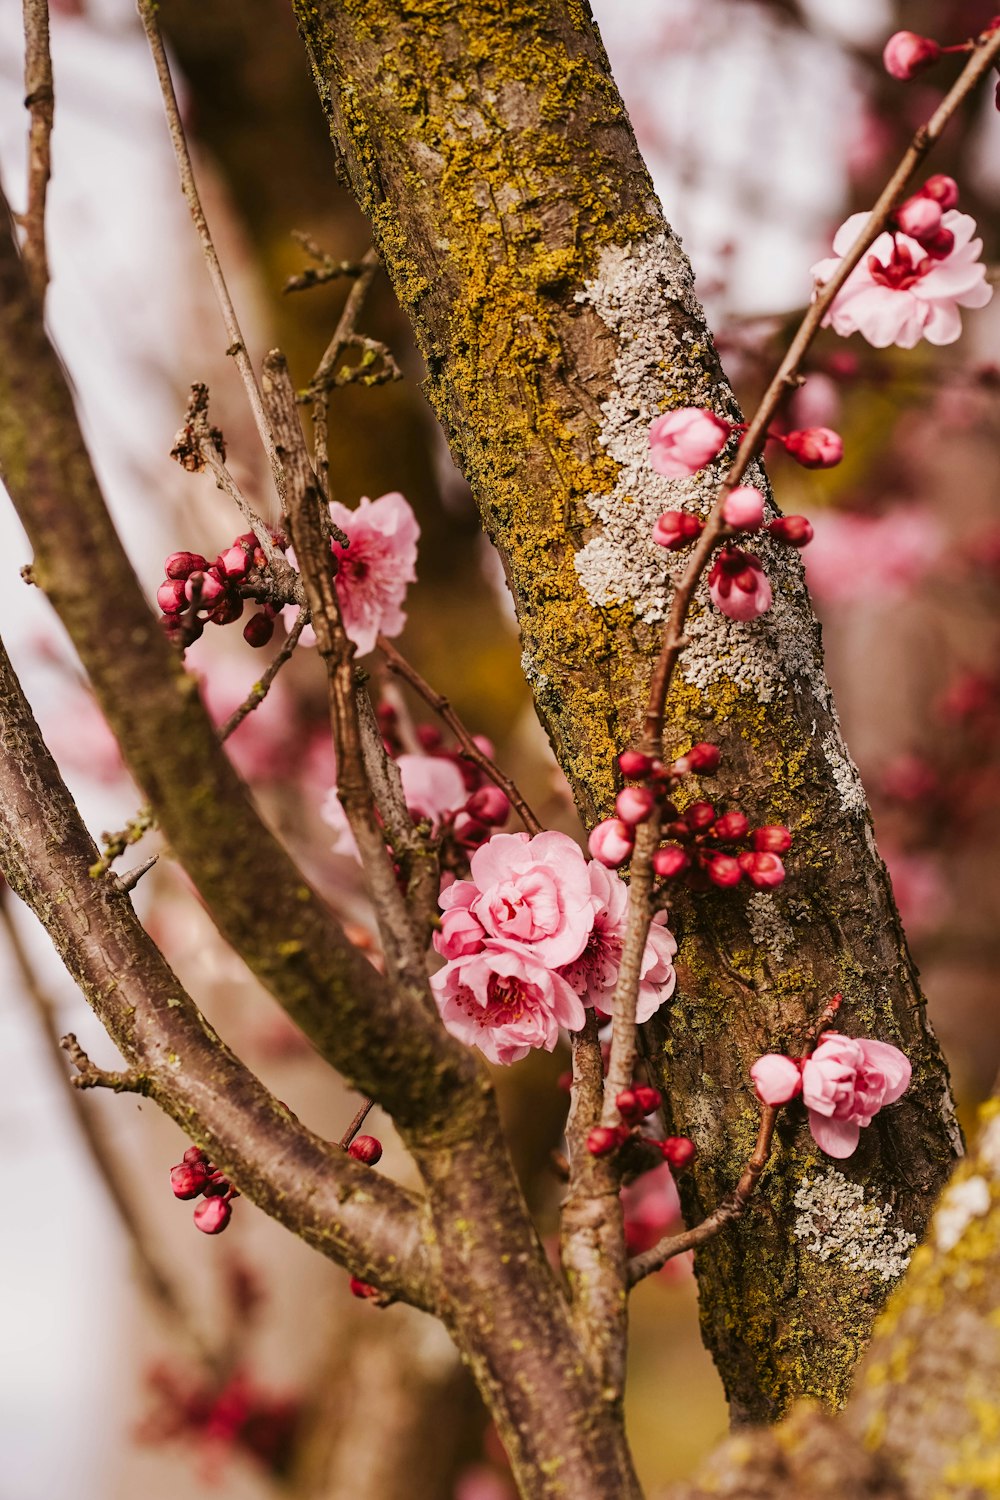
{"x":611,"y":842}
{"x":634,"y":1105}
{"x":232,"y":1416}
{"x":683,"y":441}
{"x":907,"y":53}
{"x":196,"y":1177}
{"x":196,"y":592}
{"x":920,"y":217}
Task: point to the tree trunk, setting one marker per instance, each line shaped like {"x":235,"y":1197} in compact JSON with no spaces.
{"x":489,"y":148}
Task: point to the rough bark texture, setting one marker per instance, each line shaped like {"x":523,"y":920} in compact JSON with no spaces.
{"x":490,"y":150}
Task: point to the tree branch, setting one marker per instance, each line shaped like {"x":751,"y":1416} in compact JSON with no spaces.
{"x":40,"y":101}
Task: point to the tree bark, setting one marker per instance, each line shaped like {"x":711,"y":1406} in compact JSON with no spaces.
{"x":555,"y":310}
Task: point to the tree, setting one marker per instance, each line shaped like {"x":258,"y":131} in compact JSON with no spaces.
{"x":556,"y":315}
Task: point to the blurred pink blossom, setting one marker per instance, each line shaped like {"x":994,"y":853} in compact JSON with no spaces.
{"x":899,"y":293}
{"x":871,"y":557}
{"x":918,"y":888}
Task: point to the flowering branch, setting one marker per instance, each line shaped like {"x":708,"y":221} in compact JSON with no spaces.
{"x":40,"y":101}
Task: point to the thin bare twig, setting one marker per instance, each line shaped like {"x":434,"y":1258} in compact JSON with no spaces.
{"x":40,"y":102}
{"x":327,"y":268}
{"x":398,"y":663}
{"x":735,"y":1205}
{"x":355,"y":1125}
{"x":89,"y":1076}
{"x":260,"y":689}
{"x":237,"y":347}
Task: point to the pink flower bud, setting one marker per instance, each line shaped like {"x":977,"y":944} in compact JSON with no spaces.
{"x":195,"y":1153}
{"x":183,"y":564}
{"x":212,"y":1215}
{"x":234,"y":562}
{"x":647,"y":1097}
{"x":737,"y":585}
{"x":794,"y":531}
{"x":743,"y":508}
{"x":699,"y":816}
{"x":628,"y":1106}
{"x":683,"y":441}
{"x":732,"y":825}
{"x":469,"y":831}
{"x":365,"y":1148}
{"x":670,"y":861}
{"x":919,"y":217}
{"x":703,"y":758}
{"x":776,"y":1079}
{"x":459,"y":934}
{"x":604,"y":1139}
{"x":170,"y":596}
{"x":611,"y":843}
{"x":943,"y":189}
{"x":634,"y":764}
{"x":723,"y":870}
{"x":634,"y":804}
{"x":489,"y":805}
{"x":206,"y":587}
{"x":188,"y":1179}
{"x":676,"y":529}
{"x":763,"y":870}
{"x":227,"y":610}
{"x":772,"y":839}
{"x":906,"y":54}
{"x":678,"y":1151}
{"x":258,"y":630}
{"x":940,"y":245}
{"x":815,"y":447}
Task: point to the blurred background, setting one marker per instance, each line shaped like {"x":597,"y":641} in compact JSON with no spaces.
{"x":137,"y":1355}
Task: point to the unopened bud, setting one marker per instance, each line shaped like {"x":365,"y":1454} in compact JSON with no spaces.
{"x":205,"y":587}
{"x":815,"y":447}
{"x":611,"y":843}
{"x":763,"y":870}
{"x":634,"y":764}
{"x":648,"y":1098}
{"x":676,"y":529}
{"x":678,"y":1150}
{"x":258,"y":630}
{"x":731,"y":826}
{"x":772,"y":839}
{"x":604,"y":1139}
{"x":365,"y":1148}
{"x":364,"y":1289}
{"x":670,"y":861}
{"x":743,"y":508}
{"x":170,"y":596}
{"x":906,"y":54}
{"x":490,"y":805}
{"x":919,"y":217}
{"x":723,"y":870}
{"x":469,"y":830}
{"x":212,"y":1215}
{"x":183,"y":564}
{"x":794,"y":531}
{"x":628,"y":1105}
{"x":703,"y":759}
{"x":634,"y":804}
{"x":940,"y":245}
{"x":234,"y":562}
{"x":699,"y":816}
{"x":188,"y":1179}
{"x":943,"y":189}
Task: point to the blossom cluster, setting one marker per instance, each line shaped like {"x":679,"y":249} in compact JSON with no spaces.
{"x":699,"y":837}
{"x":217,"y":1419}
{"x":531,"y":939}
{"x":195,"y":1177}
{"x":196,"y":592}
{"x":844,"y":1084}
{"x":634,"y":1105}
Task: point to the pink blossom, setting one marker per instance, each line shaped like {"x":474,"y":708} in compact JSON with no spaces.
{"x":844,"y":1085}
{"x":871,"y":557}
{"x":375,"y":569}
{"x":432,"y":786}
{"x":611,"y":842}
{"x":533,"y":891}
{"x":743,"y":508}
{"x":594,"y":974}
{"x":459,"y":934}
{"x":777,"y":1079}
{"x":815,"y":447}
{"x":504,"y":1000}
{"x":899,"y":293}
{"x":683,"y":441}
{"x":906,"y":53}
{"x":738,"y":585}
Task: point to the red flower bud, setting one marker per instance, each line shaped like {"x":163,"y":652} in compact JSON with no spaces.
{"x":906,"y":54}
{"x":699,"y":816}
{"x":195,"y":1153}
{"x":732,"y":825}
{"x":670,"y":861}
{"x":703,"y":759}
{"x":469,"y":830}
{"x":206,"y":587}
{"x":763,"y":870}
{"x":170,"y":596}
{"x":234,"y":562}
{"x":634,"y":804}
{"x":188,"y":1179}
{"x":815,"y":447}
{"x":628,"y":1106}
{"x":940,"y":245}
{"x":604,"y":1139}
{"x":723,"y":870}
{"x":611,"y":843}
{"x":648,"y":1098}
{"x":943,"y":189}
{"x":794,"y":531}
{"x":258,"y":630}
{"x":489,"y":805}
{"x":212,"y":1215}
{"x":228,"y":609}
{"x":772,"y":839}
{"x":364,"y":1289}
{"x":678,"y":1151}
{"x":365,"y":1148}
{"x":183,"y":564}
{"x":634,"y":764}
{"x":676,"y":529}
{"x":919,"y":217}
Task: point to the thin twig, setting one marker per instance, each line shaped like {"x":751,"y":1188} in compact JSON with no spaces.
{"x":260,"y":689}
{"x":89,"y":1076}
{"x":398,"y":663}
{"x":40,"y":101}
{"x":735,"y":1205}
{"x":327,"y":269}
{"x":284,"y":574}
{"x":237,"y":347}
{"x":99,"y":1148}
{"x":355,"y":1125}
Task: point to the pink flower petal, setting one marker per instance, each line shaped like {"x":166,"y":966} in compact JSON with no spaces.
{"x":838,"y":1138}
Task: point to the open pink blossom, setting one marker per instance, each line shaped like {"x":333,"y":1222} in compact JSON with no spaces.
{"x":505,"y":1001}
{"x":738,"y":585}
{"x":459,"y":934}
{"x":683,"y":441}
{"x":532,"y":891}
{"x":376,"y":568}
{"x":899,"y":293}
{"x":594,"y":974}
{"x":432,"y":788}
{"x":845,"y":1083}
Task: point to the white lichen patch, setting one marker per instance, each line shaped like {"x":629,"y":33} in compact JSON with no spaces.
{"x":834,"y":1221}
{"x":960,"y":1203}
{"x":768,"y":926}
{"x":636,"y":294}
{"x":846,"y":775}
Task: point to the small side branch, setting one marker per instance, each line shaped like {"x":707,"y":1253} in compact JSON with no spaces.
{"x":326,"y":268}
{"x":260,"y":689}
{"x":40,"y":102}
{"x":89,"y":1076}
